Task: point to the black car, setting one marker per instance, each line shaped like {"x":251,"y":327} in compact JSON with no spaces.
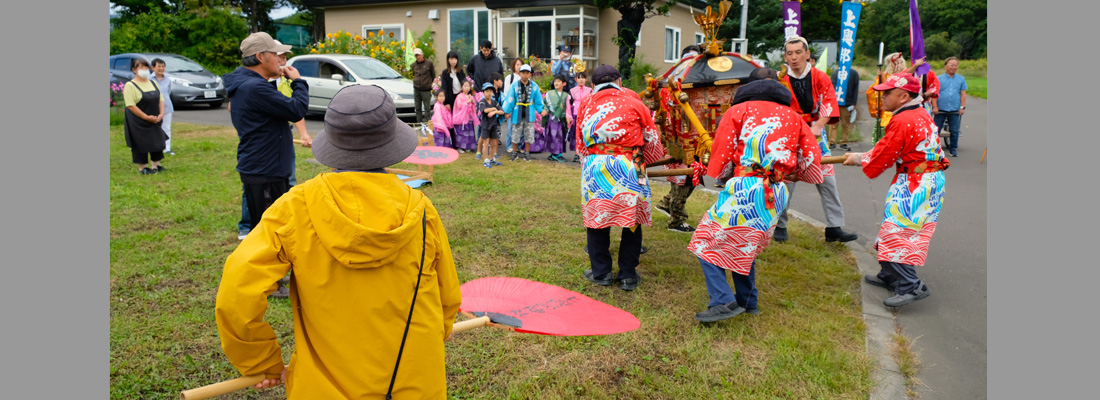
{"x":191,"y":83}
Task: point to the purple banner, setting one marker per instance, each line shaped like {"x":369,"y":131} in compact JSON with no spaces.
{"x":792,"y":19}
{"x":916,"y":38}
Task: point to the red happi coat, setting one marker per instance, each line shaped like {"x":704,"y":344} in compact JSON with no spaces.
{"x":739,"y":225}
{"x":616,"y":137}
{"x":911,"y":211}
{"x":824,"y":97}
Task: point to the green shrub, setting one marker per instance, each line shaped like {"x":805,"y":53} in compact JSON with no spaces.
{"x":637,"y":75}
{"x":940,"y":46}
{"x":381,"y":45}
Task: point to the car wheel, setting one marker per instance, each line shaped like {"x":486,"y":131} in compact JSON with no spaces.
{"x":216,"y":105}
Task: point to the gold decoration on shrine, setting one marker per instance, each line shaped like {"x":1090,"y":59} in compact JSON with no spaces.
{"x":710,"y":22}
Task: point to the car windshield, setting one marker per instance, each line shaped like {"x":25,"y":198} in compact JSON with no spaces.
{"x":179,"y":64}
{"x":369,"y":68}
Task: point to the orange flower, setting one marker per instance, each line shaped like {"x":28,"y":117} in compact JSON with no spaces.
{"x":330,"y":35}
{"x":362,"y":43}
{"x":321,"y":45}
{"x":391,"y":34}
{"x":371,"y":34}
{"x":357,"y":37}
{"x":372,"y":54}
{"x":370,"y":41}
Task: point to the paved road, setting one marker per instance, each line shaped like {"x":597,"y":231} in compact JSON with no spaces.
{"x":949,"y":326}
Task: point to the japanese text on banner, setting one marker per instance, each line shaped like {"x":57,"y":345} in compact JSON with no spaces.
{"x":792,"y":19}
{"x":849,"y":21}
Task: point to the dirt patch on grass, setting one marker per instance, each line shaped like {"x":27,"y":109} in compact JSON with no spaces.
{"x":203,"y":133}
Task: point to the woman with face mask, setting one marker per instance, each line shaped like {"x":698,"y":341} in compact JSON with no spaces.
{"x":144,"y":113}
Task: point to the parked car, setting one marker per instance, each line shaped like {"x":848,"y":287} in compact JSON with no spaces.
{"x":191,"y":83}
{"x":328,"y":73}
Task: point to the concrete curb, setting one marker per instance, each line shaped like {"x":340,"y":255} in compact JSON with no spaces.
{"x":880,"y":322}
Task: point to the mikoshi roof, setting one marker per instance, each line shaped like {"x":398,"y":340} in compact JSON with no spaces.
{"x":703,"y":70}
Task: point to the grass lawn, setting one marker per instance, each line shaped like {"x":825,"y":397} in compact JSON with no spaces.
{"x":170,"y":234}
{"x":976,"y":87}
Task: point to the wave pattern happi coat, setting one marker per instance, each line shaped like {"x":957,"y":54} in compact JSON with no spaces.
{"x":740,"y":224}
{"x":616,"y":137}
{"x":914,"y":200}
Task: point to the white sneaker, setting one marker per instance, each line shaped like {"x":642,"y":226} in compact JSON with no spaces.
{"x":242,"y":235}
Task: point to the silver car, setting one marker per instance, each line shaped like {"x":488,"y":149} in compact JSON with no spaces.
{"x":328,"y":73}
{"x":192,"y":84}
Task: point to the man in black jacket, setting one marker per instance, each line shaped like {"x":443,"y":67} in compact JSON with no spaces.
{"x":484,"y":64}
{"x":847,"y":108}
{"x":262,"y":116}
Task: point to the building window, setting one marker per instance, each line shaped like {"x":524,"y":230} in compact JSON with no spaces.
{"x":467,"y":28}
{"x":672,"y":44}
{"x":397,"y":29}
{"x":700,"y":38}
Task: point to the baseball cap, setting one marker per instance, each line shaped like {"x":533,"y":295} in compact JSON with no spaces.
{"x":901,"y":80}
{"x":282,"y":52}
{"x":488,"y":85}
{"x":418,"y":52}
{"x":525,"y":67}
{"x":565,"y":48}
{"x":605,"y":73}
{"x":260,"y":42}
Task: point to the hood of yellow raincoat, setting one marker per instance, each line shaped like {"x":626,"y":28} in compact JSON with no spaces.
{"x":357,"y":224}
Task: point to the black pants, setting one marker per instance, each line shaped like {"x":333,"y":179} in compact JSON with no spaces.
{"x":260,"y":196}
{"x":143,"y":157}
{"x":599,"y":253}
{"x":903,"y":276}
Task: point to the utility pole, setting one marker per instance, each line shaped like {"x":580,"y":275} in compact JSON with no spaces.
{"x":744,"y":24}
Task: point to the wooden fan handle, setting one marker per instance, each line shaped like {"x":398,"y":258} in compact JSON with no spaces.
{"x":471,"y":324}
{"x":833,"y":159}
{"x":221,"y":388}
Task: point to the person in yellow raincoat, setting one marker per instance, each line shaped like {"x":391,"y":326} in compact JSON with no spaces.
{"x":354,"y":240}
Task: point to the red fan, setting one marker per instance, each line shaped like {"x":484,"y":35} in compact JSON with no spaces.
{"x":542,"y":308}
{"x":432,"y":155}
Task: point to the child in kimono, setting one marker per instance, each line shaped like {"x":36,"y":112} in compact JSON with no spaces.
{"x":464,"y":116}
{"x":557,"y":106}
{"x":577,"y":94}
{"x":441,"y":121}
{"x":911,"y":144}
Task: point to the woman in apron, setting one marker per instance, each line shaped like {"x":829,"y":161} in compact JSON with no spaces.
{"x":144,"y":112}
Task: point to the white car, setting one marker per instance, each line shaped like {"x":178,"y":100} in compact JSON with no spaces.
{"x":328,"y":73}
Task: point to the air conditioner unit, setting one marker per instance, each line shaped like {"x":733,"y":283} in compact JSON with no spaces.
{"x":433,"y":14}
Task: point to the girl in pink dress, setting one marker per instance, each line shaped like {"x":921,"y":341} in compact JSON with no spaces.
{"x":441,"y":121}
{"x":463,"y":117}
{"x":577,"y":94}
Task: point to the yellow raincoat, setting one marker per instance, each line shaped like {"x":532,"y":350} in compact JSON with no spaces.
{"x":353,"y":242}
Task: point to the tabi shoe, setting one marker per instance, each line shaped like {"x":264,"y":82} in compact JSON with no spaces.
{"x":899,"y":300}
{"x":663,"y":210}
{"x":733,"y":305}
{"x":606,"y":281}
{"x":630,"y":284}
{"x":512,"y":155}
{"x":836,"y":234}
{"x":875,"y":281}
{"x":683,"y":227}
{"x":718,"y":313}
{"x":780,"y":234}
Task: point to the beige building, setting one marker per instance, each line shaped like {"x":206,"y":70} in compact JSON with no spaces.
{"x":519,"y":28}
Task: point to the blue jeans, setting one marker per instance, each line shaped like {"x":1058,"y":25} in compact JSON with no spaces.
{"x":720,"y":291}
{"x":245,"y":224}
{"x":953,"y":125}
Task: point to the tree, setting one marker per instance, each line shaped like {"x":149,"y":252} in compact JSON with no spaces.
{"x":633,"y":13}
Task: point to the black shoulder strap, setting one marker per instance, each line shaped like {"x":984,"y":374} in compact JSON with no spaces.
{"x":423,"y":244}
